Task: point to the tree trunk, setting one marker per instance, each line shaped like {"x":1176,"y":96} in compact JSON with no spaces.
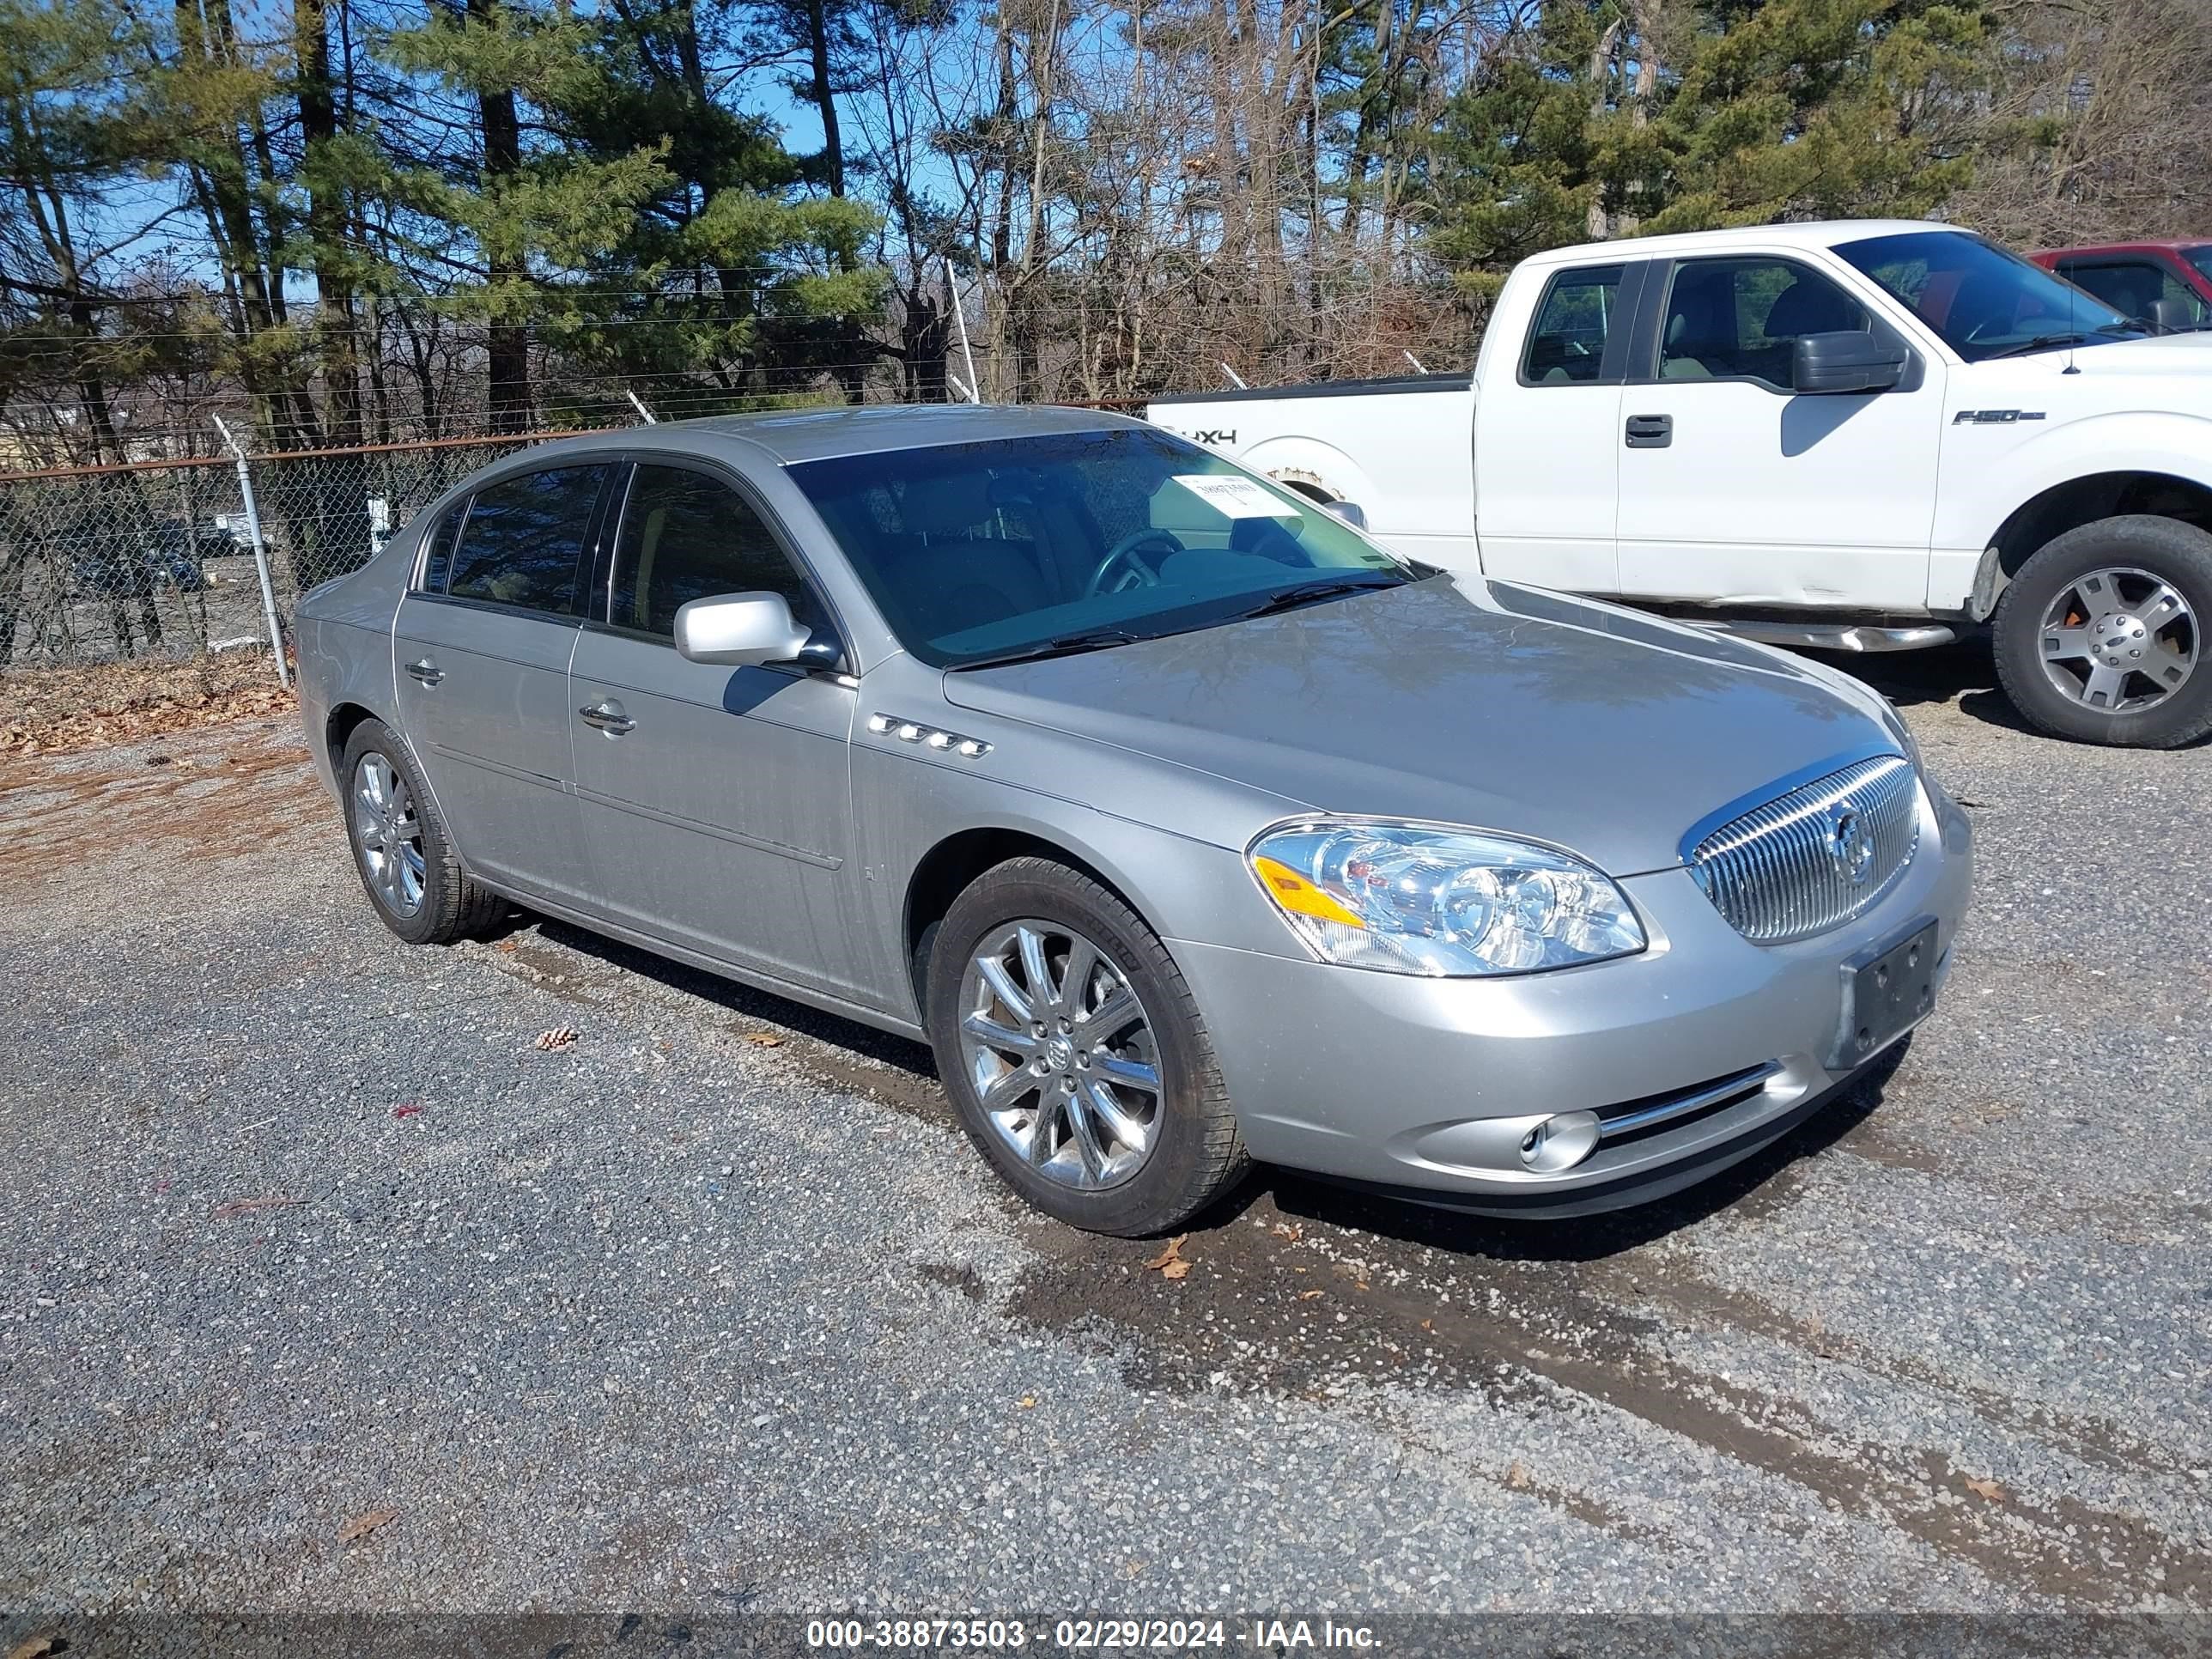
{"x":508,"y":343}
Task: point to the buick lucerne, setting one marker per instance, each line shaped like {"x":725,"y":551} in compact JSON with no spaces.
{"x":1187,"y":824}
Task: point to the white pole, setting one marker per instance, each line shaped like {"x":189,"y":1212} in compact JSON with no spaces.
{"x":1235,"y":379}
{"x":260,"y":554}
{"x":959,"y":386}
{"x":1420,"y":367}
{"x":644,"y":413}
{"x":960,"y":317}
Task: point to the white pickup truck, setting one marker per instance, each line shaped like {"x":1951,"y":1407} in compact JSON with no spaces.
{"x":1857,"y":436}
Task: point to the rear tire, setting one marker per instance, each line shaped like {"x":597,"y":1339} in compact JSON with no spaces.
{"x":2102,"y":636}
{"x":1076,"y":1054}
{"x":401,"y":851}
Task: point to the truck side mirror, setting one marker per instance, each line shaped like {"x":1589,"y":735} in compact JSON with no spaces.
{"x":1846,"y":362}
{"x":1351,"y":512}
{"x":2173,"y":316}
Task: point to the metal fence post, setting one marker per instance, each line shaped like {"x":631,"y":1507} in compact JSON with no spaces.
{"x":260,"y":554}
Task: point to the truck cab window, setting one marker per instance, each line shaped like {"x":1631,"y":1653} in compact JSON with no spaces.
{"x":1567,"y":345}
{"x":1730,"y":319}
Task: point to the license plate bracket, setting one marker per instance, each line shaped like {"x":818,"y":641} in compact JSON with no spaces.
{"x":1887,"y":991}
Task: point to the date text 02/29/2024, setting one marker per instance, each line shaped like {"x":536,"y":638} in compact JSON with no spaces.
{"x":1081,"y":1635}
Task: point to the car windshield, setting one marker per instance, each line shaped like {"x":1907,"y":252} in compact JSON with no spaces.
{"x":1017,"y":547}
{"x":1984,"y":301}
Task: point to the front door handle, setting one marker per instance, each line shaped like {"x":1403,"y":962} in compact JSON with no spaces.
{"x":426,"y":671}
{"x":607,"y":718}
{"x":1650,"y":431}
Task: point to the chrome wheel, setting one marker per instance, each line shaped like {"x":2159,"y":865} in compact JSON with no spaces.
{"x":2118,"y":640}
{"x":388,"y":835}
{"x":1061,"y":1055}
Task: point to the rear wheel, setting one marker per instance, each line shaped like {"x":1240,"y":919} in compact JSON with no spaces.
{"x":1075,"y":1054}
{"x":2100,"y":637}
{"x":400,"y":850}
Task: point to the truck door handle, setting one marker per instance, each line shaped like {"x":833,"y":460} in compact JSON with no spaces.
{"x":607,"y":718}
{"x":426,"y":671}
{"x":1650,"y":431}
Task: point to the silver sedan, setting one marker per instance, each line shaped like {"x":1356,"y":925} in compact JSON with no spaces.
{"x":1187,"y":824}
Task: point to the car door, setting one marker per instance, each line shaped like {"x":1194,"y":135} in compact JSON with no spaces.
{"x":482,"y":640}
{"x":1546,"y":461}
{"x":716,"y":801}
{"x":1732,"y":488}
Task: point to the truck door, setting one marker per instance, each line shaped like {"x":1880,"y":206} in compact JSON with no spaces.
{"x":1546,"y":449}
{"x":1734,"y":489}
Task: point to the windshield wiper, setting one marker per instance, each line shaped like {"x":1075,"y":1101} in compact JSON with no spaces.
{"x":2074,"y":337}
{"x":1313,"y":592}
{"x":1067,"y":645}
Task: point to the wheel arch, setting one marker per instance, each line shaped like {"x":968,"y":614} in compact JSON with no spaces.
{"x":950,"y":866}
{"x":345,"y":719}
{"x":2094,"y":495}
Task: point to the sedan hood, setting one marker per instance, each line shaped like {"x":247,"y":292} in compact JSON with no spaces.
{"x":1500,"y":708}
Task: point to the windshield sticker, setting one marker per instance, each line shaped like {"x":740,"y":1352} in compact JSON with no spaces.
{"x":1234,"y":498}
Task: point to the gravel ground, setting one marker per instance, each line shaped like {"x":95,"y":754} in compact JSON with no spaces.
{"x":715,"y":1308}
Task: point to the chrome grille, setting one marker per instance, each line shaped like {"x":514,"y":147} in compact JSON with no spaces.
{"x":1814,"y":858}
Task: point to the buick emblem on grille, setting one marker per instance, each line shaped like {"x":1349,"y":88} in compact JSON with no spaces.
{"x":1849,"y":845}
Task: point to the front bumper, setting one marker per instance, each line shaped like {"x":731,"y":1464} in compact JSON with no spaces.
{"x":1430,"y":1086}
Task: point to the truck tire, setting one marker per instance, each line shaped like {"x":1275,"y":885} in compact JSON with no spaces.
{"x":1076,"y":1054}
{"x":2102,"y":636}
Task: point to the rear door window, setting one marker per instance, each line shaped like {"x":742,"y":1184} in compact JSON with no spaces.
{"x":524,"y":537}
{"x":1573,"y":322}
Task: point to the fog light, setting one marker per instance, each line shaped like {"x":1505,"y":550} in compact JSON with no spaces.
{"x":1559,"y":1143}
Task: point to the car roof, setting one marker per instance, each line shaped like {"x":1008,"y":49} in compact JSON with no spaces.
{"x":2177,"y":245}
{"x":814,"y":434}
{"x":1819,"y":233}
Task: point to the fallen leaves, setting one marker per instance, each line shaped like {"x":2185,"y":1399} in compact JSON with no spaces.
{"x":1517,"y":1477}
{"x":1307,"y":1295}
{"x":250,"y":1205}
{"x":764,"y":1039}
{"x":363,"y":1524}
{"x":407,"y":1110}
{"x":1289,"y":1233}
{"x":36,"y":1647}
{"x":1988,"y":1490}
{"x":560,"y":1037}
{"x":507,"y":946}
{"x":1027,"y":1402}
{"x":54,"y":709}
{"x":1168,"y":1263}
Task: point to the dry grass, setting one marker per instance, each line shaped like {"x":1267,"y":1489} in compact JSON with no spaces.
{"x":53,"y":709}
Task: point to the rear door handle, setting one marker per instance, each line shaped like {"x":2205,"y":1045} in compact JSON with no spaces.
{"x":426,"y":671}
{"x":606,"y":718}
{"x":1650,"y":431}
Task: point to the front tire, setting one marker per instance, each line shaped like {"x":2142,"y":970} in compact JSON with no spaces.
{"x":2100,"y":637}
{"x":401,"y":851}
{"x":1075,"y":1054}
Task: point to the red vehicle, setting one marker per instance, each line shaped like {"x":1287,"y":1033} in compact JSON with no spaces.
{"x":2168,"y":284}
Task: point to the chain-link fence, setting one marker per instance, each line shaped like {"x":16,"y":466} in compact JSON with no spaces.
{"x":162,"y":559}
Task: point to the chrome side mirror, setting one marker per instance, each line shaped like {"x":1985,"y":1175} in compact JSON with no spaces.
{"x":740,"y":630}
{"x":1351,"y":512}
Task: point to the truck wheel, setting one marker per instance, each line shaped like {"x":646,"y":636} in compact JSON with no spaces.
{"x":2100,"y":637}
{"x":1075,"y":1054}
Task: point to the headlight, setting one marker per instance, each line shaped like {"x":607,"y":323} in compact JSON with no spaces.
{"x":1410,"y":898}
